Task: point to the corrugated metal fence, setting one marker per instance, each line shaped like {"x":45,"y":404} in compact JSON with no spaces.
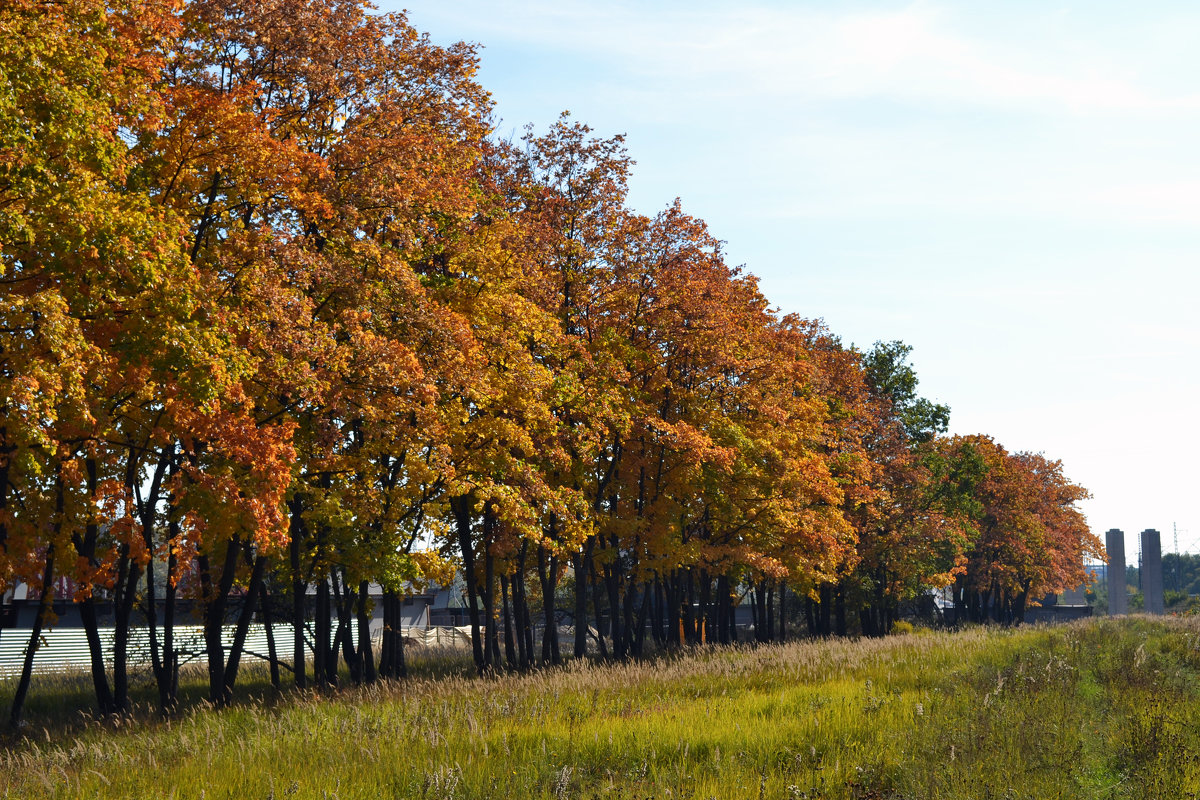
{"x":66,"y":650}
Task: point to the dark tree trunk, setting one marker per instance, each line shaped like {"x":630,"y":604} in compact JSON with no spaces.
{"x":299,"y":593}
{"x":85,"y":546}
{"x":689,"y":606}
{"x":324,"y":656}
{"x":769,"y":610}
{"x":365,"y":655}
{"x":214,"y":600}
{"x":1020,"y":603}
{"x":723,"y":608}
{"x":882,"y":615}
{"x":866,"y":619}
{"x":823,"y":621}
{"x":675,"y":595}
{"x":548,"y":576}
{"x":612,"y":581}
{"x":492,"y":639}
{"x":45,"y":603}
{"x":704,"y":614}
{"x":344,"y":603}
{"x":582,"y":564}
{"x":148,"y":509}
{"x":510,"y":652}
{"x":391,"y":659}
{"x":782,"y":635}
{"x":632,"y":597}
{"x":126,"y":585}
{"x":253,"y":590}
{"x":91,"y":629}
{"x":639,"y":634}
{"x":461,"y":507}
{"x":521,"y":611}
{"x":168,"y":686}
{"x":659,"y":628}
{"x":839,"y":610}
{"x":6,"y":451}
{"x":756,"y":613}
{"x":264,"y":602}
{"x":601,"y":646}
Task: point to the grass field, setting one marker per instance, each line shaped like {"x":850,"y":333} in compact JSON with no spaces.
{"x":1099,"y":709}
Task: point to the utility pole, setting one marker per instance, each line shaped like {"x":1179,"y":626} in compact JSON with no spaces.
{"x":1140,"y":589}
{"x":1175,"y":571}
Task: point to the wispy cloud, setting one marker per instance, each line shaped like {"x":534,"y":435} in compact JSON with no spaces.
{"x":915,"y":52}
{"x":1012,"y":187}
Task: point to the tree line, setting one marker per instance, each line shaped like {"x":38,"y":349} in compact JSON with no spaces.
{"x":280,"y":312}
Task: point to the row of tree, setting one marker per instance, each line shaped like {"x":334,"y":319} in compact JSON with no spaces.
{"x":279,"y":313}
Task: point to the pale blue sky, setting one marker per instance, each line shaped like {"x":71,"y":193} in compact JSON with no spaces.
{"x":1013,"y":189}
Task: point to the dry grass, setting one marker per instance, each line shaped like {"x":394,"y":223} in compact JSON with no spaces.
{"x":1097,"y":709}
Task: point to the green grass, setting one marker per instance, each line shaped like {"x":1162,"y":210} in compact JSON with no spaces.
{"x":1099,"y":709}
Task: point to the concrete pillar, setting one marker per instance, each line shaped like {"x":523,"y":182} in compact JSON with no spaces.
{"x":1152,"y":584}
{"x":1118,"y":597}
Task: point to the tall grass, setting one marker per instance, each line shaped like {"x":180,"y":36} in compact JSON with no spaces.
{"x":1099,"y":709}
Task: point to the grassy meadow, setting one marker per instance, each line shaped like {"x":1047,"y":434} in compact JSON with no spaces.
{"x":1097,"y":709}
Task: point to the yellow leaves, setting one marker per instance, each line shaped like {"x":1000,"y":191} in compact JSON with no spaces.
{"x":317,"y":280}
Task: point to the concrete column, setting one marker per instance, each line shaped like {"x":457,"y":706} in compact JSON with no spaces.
{"x":1118,"y":598}
{"x":1152,"y":584}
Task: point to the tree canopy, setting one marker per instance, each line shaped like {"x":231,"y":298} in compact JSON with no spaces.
{"x":281,"y":313}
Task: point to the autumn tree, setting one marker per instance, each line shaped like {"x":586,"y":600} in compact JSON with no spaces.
{"x":278,"y":311}
{"x":96,"y":299}
{"x":1032,"y":538}
{"x":912,"y":534}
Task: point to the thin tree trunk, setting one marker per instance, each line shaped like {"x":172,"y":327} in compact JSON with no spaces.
{"x":548,"y":576}
{"x":639,"y":635}
{"x":399,"y":666}
{"x":299,"y":594}
{"x":674,"y":600}
{"x":366,"y":657}
{"x":322,"y":637}
{"x":461,"y":507}
{"x":91,"y":629}
{"x":45,"y":602}
{"x":253,"y":590}
{"x":492,"y":639}
{"x":264,"y":603}
{"x":659,"y":627}
{"x":631,"y":599}
{"x":521,"y":611}
{"x":756,"y":611}
{"x":391,"y":657}
{"x":826,"y":609}
{"x":85,"y":546}
{"x":510,"y":652}
{"x":612,"y":582}
{"x":168,"y":687}
{"x":123,"y":606}
{"x":689,"y":606}
{"x":769,"y":611}
{"x":782,"y":637}
{"x":839,"y":610}
{"x":703,"y":613}
{"x":600,"y":627}
{"x":214,"y":600}
{"x":582,"y":563}
{"x":344,"y":602}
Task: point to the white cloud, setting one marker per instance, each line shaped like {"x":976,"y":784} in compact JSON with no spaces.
{"x":914,"y":52}
{"x":1014,"y":190}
